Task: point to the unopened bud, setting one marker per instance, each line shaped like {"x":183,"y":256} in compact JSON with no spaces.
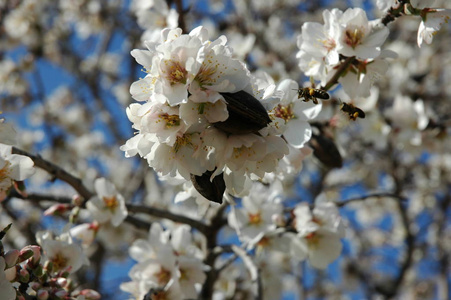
{"x":11,"y":258}
{"x":77,"y":200}
{"x":57,"y":209}
{"x":90,"y":294}
{"x":48,"y":267}
{"x":61,"y":294}
{"x":42,"y":295}
{"x":35,"y":285}
{"x":24,"y":276}
{"x":36,"y":254}
{"x":62,"y":282}
{"x":25,"y":254}
{"x":38,"y":271}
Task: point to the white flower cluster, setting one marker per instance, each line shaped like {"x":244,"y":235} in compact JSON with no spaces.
{"x":344,"y":34}
{"x":169,"y":265}
{"x":315,"y":234}
{"x":194,"y":116}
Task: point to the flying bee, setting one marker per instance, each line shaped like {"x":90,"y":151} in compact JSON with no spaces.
{"x":311,"y":94}
{"x":352,"y":111}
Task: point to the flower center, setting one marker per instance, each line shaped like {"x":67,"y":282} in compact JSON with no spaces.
{"x":284,"y":112}
{"x":329,"y":44}
{"x":204,"y":77}
{"x":255,"y":219}
{"x":184,"y":140}
{"x":163,"y":276}
{"x":171,"y":120}
{"x":110,"y":202}
{"x":59,"y":261}
{"x":354,"y":36}
{"x":176,"y":73}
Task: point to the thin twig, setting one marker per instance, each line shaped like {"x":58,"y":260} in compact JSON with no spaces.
{"x":57,"y":172}
{"x":375,"y":195}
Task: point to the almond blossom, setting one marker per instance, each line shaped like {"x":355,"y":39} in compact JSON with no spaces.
{"x":65,"y":255}
{"x":432,"y":21}
{"x":319,"y":233}
{"x":13,"y":167}
{"x":187,"y":127}
{"x":108,"y":205}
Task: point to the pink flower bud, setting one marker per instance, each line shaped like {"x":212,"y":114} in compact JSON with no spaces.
{"x":24,"y":276}
{"x":57,"y":209}
{"x":35,"y":285}
{"x":62,"y":282}
{"x":90,"y":294}
{"x":25,"y":254}
{"x":42,"y":294}
{"x":11,"y":258}
{"x":77,"y":200}
{"x":36,"y":253}
{"x":61,"y":294}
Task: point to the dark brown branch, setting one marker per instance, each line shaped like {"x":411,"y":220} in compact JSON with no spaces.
{"x":57,"y":172}
{"x":338,"y":73}
{"x":156,"y":212}
{"x":375,"y":195}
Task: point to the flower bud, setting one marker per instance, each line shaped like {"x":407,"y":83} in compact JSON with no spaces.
{"x":25,"y":254}
{"x":11,"y":258}
{"x":48,"y":267}
{"x":61,"y":294}
{"x":62,"y":282}
{"x":35,"y":285}
{"x":57,"y":209}
{"x":42,"y":295}
{"x":36,"y":254}
{"x":38,"y":271}
{"x":24,"y":276}
{"x":246,"y":114}
{"x":90,"y":294}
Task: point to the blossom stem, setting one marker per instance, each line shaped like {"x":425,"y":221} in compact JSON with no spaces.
{"x":334,"y":79}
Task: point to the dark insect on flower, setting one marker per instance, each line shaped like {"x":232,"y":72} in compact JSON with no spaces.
{"x":246,"y":114}
{"x":213,"y":190}
{"x":312,"y":94}
{"x":324,"y":148}
{"x":353,"y":111}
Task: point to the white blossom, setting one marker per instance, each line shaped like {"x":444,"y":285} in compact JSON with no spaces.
{"x":108,"y":205}
{"x":13,"y":167}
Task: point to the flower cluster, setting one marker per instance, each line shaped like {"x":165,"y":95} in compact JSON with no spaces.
{"x":344,"y":34}
{"x":312,"y":234}
{"x":46,"y":277}
{"x":169,"y":265}
{"x":204,"y":114}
